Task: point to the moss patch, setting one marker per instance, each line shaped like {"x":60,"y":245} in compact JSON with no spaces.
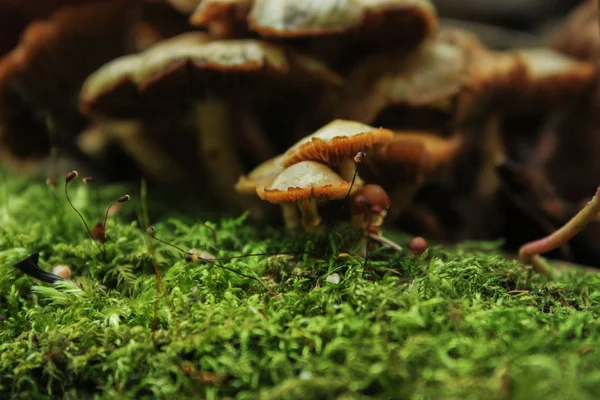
{"x":460,"y":322}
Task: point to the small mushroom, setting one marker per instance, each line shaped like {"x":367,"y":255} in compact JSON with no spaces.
{"x":63,"y":271}
{"x":369,"y":206}
{"x":303,"y":185}
{"x":337,"y":143}
{"x":418,"y":246}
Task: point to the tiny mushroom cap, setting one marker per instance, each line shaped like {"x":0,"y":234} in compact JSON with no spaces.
{"x":337,"y":141}
{"x":304,"y":184}
{"x":63,"y":271}
{"x":368,"y":206}
{"x":262,"y":175}
{"x":418,"y":245}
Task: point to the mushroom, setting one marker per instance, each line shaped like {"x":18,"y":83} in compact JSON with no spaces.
{"x":336,"y":144}
{"x":455,"y":76}
{"x":407,"y":161}
{"x":369,"y":206}
{"x":294,"y":18}
{"x":347,"y":29}
{"x":303,"y":185}
{"x":451,"y":68}
{"x":211,"y":77}
{"x":551,"y":79}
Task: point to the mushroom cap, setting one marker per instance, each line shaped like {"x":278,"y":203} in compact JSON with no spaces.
{"x":42,"y":75}
{"x":411,"y":156}
{"x":430,"y":77}
{"x":336,"y":141}
{"x":190,"y":65}
{"x":303,"y":181}
{"x":301,"y":18}
{"x":263,"y":175}
{"x":418,"y":245}
{"x":551,"y":78}
{"x":365,"y":198}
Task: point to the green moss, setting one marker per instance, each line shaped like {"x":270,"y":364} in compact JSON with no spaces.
{"x":443,"y":326}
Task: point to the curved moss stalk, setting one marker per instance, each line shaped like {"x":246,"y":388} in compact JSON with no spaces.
{"x":530,"y":252}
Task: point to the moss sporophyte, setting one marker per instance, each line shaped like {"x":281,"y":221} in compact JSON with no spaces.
{"x":456,"y":322}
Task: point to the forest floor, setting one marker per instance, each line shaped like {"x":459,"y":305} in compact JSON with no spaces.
{"x":460,"y":321}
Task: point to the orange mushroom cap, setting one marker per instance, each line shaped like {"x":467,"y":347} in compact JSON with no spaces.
{"x":338,"y":140}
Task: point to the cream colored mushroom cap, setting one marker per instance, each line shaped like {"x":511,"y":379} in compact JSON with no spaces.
{"x":302,"y":181}
{"x":263,"y":175}
{"x":335,"y":141}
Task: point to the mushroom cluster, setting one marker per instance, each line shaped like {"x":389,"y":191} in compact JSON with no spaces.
{"x":183,"y":91}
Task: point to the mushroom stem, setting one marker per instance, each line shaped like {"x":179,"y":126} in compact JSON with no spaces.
{"x":149,"y":155}
{"x":213,"y":121}
{"x":347,"y":169}
{"x":290,"y":215}
{"x":310,"y":214}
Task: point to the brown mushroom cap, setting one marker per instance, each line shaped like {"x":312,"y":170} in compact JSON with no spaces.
{"x":338,"y":140}
{"x":431,"y":77}
{"x":410,"y":157}
{"x":190,"y":65}
{"x":43,"y":74}
{"x":262,"y":175}
{"x":456,"y":66}
{"x":303,"y":181}
{"x":369,"y":198}
{"x":551,"y":78}
{"x":298,"y":18}
{"x":418,"y":245}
